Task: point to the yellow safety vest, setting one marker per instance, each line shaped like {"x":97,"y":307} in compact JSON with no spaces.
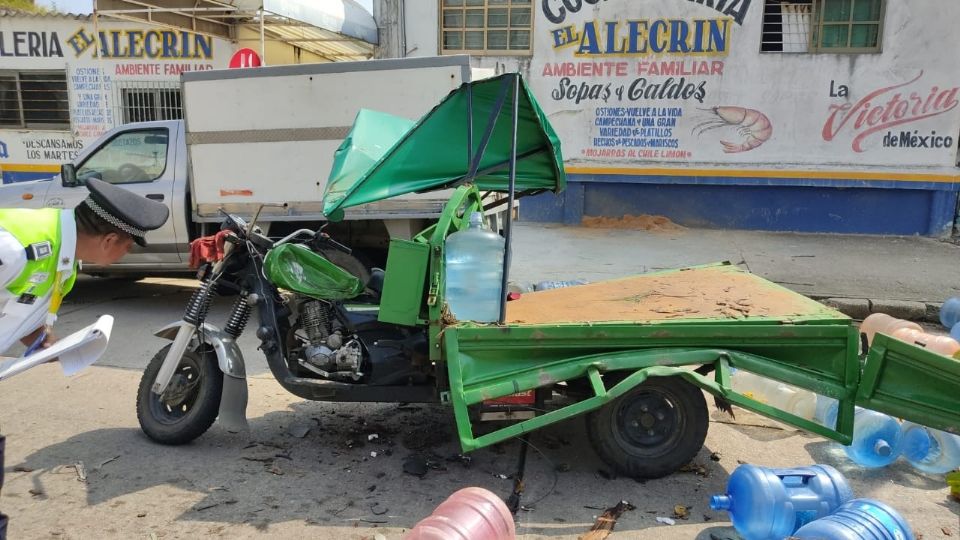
{"x":38,"y":227}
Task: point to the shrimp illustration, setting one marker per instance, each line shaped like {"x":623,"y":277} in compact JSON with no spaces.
{"x":753,"y":126}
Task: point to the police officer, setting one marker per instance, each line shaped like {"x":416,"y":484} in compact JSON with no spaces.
{"x":39,"y":254}
{"x":40,"y":250}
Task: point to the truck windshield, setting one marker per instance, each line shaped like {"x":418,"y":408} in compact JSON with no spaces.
{"x":133,"y":156}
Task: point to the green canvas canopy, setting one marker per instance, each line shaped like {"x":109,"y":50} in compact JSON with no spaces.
{"x":385,"y":156}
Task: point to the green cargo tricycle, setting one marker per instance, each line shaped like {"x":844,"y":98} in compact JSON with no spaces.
{"x":633,"y":355}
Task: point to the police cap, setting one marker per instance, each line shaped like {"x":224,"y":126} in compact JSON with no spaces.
{"x":129,"y":212}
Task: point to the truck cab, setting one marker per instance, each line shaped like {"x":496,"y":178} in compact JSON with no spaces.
{"x":147,"y":158}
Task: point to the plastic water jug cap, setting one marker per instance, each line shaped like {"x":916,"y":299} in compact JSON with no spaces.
{"x":882,"y":448}
{"x":476,"y":220}
{"x":720,"y":502}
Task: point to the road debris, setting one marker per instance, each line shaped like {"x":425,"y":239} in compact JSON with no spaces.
{"x":100,"y":466}
{"x":36,"y":492}
{"x":953,"y":480}
{"x":695,"y":468}
{"x":372,"y":436}
{"x":425,"y":437}
{"x":81,"y":471}
{"x":461,"y":459}
{"x":373,"y":454}
{"x":275,"y":469}
{"x":606,"y":521}
{"x":946,"y":531}
{"x":715,"y":456}
{"x":666,"y":520}
{"x":681,"y":512}
{"x":211,"y":504}
{"x":416,"y":465}
{"x":22,"y":468}
{"x":299,"y":430}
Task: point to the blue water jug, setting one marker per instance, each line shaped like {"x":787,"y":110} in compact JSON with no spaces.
{"x":826,"y":409}
{"x":950,"y":312}
{"x":929,"y":450}
{"x":955,"y":332}
{"x":859,"y":519}
{"x":876,"y":436}
{"x":474,"y":263}
{"x":770,"y":504}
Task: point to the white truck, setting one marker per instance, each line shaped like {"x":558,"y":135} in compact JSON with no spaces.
{"x":255,"y":137}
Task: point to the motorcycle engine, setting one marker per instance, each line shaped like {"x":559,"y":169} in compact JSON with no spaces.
{"x":328,"y":353}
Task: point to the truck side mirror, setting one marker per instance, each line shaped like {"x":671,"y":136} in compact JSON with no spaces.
{"x":68,"y":175}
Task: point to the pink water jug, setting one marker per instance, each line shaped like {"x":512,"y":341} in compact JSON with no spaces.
{"x":469,"y":514}
{"x":945,"y":345}
{"x":885,"y":324}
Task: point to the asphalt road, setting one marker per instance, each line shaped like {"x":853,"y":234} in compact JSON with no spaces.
{"x":272,"y":482}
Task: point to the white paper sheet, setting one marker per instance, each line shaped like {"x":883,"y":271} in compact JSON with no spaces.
{"x":75,"y":352}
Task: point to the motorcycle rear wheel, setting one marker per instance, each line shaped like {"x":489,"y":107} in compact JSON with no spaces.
{"x":189,"y":405}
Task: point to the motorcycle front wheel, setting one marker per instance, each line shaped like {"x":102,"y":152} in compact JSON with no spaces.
{"x":189,"y":405}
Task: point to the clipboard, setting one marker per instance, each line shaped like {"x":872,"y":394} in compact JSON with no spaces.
{"x":75,"y":352}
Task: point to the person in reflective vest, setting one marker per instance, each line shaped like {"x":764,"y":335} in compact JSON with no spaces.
{"x":39,"y":254}
{"x":40,"y":250}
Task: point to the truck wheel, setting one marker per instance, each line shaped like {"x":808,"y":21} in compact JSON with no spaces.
{"x":651,"y":431}
{"x":189,"y":405}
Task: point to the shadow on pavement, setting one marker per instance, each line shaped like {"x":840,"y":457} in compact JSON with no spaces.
{"x":348,"y":467}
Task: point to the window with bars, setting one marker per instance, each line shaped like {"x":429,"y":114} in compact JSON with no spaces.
{"x":811,"y":26}
{"x":142,"y":104}
{"x":34,"y":99}
{"x":485,"y":26}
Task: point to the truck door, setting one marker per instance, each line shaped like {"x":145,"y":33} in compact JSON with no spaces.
{"x":141,"y":160}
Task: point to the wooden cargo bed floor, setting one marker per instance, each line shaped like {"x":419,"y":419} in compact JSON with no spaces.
{"x":712,"y":292}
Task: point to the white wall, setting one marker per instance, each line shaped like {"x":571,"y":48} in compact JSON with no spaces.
{"x":139,"y":53}
{"x":803,"y":98}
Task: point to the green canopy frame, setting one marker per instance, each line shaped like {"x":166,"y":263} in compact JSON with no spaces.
{"x":518,"y":151}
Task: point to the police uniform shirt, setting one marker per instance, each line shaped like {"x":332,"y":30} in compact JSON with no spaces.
{"x":18,"y":320}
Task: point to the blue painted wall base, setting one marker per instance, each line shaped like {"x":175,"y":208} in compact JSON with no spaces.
{"x":834,"y":206}
{"x":11,"y":177}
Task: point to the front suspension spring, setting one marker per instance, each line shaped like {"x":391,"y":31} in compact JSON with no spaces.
{"x":199,"y":304}
{"x":239,"y":315}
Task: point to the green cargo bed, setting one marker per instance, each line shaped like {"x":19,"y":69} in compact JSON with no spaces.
{"x":661,"y":324}
{"x":715,"y":292}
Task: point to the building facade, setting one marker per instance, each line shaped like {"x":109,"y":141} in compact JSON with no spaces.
{"x":807,"y":115}
{"x":66,"y":79}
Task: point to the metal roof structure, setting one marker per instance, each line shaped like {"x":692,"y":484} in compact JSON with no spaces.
{"x":336,"y":30}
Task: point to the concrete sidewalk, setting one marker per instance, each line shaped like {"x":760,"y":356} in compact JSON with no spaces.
{"x":907,"y":277}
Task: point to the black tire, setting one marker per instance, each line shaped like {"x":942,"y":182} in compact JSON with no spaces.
{"x":190,"y":404}
{"x":653,"y":430}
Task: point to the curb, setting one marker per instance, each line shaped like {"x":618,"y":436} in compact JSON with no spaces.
{"x":860,"y":308}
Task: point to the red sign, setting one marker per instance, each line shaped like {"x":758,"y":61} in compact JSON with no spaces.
{"x":520,"y":398}
{"x":874,"y":113}
{"x":245,"y":58}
